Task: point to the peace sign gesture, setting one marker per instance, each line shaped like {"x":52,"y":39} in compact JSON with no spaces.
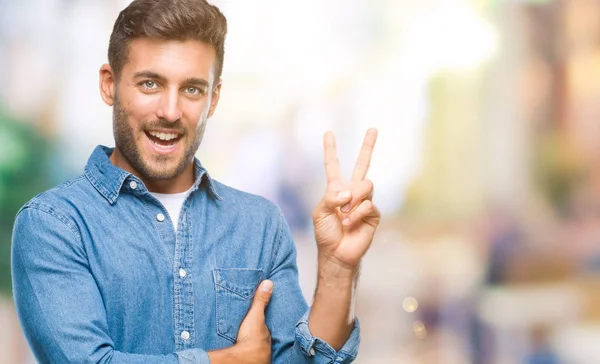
{"x":345,"y":219}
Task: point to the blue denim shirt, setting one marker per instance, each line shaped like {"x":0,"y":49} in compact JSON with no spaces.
{"x":101,"y":276}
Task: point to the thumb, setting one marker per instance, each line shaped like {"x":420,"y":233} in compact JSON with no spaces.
{"x":262,"y":296}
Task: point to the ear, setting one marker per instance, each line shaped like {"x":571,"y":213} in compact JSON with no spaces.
{"x":108,"y":83}
{"x":214,"y":99}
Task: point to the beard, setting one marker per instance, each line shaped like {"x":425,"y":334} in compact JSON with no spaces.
{"x":154,"y":167}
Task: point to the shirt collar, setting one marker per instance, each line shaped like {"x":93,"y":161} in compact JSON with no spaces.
{"x":108,"y":179}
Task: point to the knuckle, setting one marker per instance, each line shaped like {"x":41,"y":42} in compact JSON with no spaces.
{"x":377,"y":212}
{"x":262,"y":298}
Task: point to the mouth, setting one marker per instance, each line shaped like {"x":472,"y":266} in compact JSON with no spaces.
{"x":163,"y":142}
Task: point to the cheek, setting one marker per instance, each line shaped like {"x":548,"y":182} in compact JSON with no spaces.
{"x":142,"y":108}
{"x":195,"y":112}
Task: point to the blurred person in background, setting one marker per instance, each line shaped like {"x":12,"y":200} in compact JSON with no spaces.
{"x":144,"y":258}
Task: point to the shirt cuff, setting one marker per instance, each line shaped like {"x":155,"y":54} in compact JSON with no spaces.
{"x":193,"y":356}
{"x":313,"y":347}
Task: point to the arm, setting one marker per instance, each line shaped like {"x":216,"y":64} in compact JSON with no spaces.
{"x":58,"y":302}
{"x":332,"y":315}
{"x":345,"y":222}
{"x":287,"y":314}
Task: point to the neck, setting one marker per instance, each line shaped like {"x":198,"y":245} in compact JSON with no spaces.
{"x":180,"y":183}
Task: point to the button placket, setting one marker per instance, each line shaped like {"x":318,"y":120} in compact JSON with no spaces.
{"x":183,"y":285}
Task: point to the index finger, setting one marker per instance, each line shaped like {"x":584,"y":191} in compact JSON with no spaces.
{"x":332,"y":165}
{"x":364,"y":156}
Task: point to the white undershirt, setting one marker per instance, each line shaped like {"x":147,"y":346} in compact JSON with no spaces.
{"x":173,"y":202}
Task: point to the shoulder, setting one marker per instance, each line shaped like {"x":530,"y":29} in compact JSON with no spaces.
{"x":61,"y":201}
{"x":47,"y":224}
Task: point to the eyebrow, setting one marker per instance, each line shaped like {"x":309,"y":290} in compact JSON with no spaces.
{"x":149,"y":74}
{"x":188,"y":81}
{"x":195,"y":82}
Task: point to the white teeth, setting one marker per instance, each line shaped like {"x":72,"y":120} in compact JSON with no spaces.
{"x":163,"y":136}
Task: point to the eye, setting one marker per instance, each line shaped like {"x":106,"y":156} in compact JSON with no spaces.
{"x":193,"y":90}
{"x":149,"y":84}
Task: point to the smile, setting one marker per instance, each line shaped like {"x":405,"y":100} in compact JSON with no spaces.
{"x":163,"y":142}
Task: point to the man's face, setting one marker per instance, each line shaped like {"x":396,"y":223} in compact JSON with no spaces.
{"x":161,"y":104}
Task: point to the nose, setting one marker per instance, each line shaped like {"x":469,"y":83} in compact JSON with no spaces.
{"x":169,"y":108}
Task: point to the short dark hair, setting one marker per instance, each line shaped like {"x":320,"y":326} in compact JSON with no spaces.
{"x":167,"y":20}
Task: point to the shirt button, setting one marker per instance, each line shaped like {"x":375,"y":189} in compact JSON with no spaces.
{"x":185,"y":335}
{"x":160,"y":217}
{"x":133,"y":185}
{"x":182,"y":272}
{"x":311,"y":352}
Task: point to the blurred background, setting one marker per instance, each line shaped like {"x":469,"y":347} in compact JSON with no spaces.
{"x":487,"y":167}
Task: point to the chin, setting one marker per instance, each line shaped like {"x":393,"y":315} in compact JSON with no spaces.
{"x":164,"y":171}
{"x":159,"y":174}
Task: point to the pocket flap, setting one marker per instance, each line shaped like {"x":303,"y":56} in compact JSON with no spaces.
{"x":241,"y":281}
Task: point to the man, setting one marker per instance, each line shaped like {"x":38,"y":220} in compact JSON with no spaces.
{"x":144,"y":258}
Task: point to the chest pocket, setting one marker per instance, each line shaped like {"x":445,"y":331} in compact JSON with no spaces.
{"x":234,"y":291}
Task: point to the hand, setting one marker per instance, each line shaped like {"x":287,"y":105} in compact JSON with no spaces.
{"x":253,"y":344}
{"x":253,"y":334}
{"x":345,"y":219}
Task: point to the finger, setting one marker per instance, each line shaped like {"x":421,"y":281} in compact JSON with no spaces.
{"x":362,"y":191}
{"x":261,"y":298}
{"x":332,"y":165}
{"x":331,"y":201}
{"x":364,"y":156}
{"x":366,"y":211}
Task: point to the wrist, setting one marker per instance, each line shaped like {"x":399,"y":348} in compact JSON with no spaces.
{"x":331,"y":269}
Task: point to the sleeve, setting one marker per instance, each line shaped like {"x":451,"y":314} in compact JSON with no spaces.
{"x":58,"y":302}
{"x":287,"y":313}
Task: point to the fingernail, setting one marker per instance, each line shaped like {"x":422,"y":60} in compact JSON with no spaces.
{"x":346,"y":221}
{"x":346,"y":207}
{"x":266,"y":286}
{"x":343,"y":195}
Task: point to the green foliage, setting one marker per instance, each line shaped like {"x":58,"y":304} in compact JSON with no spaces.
{"x":24,"y":162}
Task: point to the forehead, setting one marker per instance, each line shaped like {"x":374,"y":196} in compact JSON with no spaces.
{"x":176,"y":60}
